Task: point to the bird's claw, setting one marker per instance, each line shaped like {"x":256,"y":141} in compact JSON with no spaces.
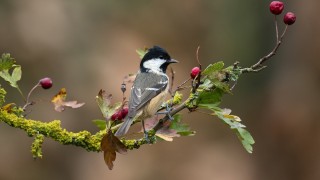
{"x":167,"y":112}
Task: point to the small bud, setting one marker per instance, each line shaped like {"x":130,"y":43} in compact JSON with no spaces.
{"x":289,"y":18}
{"x":123,"y":87}
{"x":45,"y":83}
{"x":195,"y":72}
{"x":276,"y":7}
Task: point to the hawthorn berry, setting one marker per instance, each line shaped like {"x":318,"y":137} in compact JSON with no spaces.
{"x":120,"y":114}
{"x":276,"y":7}
{"x":194,"y":72}
{"x":124,"y":112}
{"x":117,"y":116}
{"x":45,"y":83}
{"x":289,"y":18}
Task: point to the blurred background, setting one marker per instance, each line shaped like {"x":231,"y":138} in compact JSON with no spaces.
{"x":86,"y":46}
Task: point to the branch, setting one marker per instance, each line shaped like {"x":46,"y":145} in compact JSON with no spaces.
{"x":53,"y":130}
{"x":259,"y":65}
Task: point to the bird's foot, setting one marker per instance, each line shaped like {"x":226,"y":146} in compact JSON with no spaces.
{"x":167,"y":112}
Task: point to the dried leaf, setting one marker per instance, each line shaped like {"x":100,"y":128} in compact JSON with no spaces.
{"x":170,"y":129}
{"x":59,"y":101}
{"x":104,"y":102}
{"x":167,"y":134}
{"x":110,"y":144}
{"x":8,"y":107}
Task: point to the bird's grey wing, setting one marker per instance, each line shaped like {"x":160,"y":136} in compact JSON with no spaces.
{"x":143,"y":92}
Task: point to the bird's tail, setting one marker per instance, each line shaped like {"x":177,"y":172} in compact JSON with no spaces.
{"x":124,"y":127}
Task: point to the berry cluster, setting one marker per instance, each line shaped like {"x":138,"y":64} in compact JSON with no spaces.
{"x":276,"y":8}
{"x":120,"y":114}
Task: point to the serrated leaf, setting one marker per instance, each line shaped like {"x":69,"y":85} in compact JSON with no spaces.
{"x":210,"y":97}
{"x":243,"y":135}
{"x":12,"y":79}
{"x":16,"y":74}
{"x":222,"y":85}
{"x":59,"y":101}
{"x":206,"y":85}
{"x":180,"y":128}
{"x":213,"y":68}
{"x":101,"y":124}
{"x":6,"y":62}
{"x":246,"y":139}
{"x":104,"y":102}
{"x":110,"y":144}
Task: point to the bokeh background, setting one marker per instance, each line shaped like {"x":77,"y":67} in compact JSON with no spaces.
{"x":88,"y":45}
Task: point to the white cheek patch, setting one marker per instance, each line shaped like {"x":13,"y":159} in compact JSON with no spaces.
{"x":154,"y":64}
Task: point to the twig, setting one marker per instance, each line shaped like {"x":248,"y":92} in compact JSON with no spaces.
{"x":171,"y":84}
{"x":28,"y":97}
{"x":259,"y":65}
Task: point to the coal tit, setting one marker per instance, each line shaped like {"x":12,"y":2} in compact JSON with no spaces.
{"x":149,"y":89}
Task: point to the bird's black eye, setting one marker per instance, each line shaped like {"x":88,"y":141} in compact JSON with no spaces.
{"x":161,"y":57}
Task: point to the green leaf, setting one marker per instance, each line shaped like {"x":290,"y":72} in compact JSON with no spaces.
{"x":6,"y":62}
{"x":206,"y":85}
{"x":141,"y":52}
{"x":210,"y":97}
{"x":222,"y":85}
{"x":246,"y":139}
{"x":243,"y":135}
{"x":12,"y":78}
{"x":101,"y":124}
{"x":213,"y":68}
{"x":104,"y":102}
{"x":180,"y":128}
{"x":16,"y":74}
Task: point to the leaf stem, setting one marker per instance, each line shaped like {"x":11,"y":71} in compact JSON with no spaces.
{"x":20,"y":92}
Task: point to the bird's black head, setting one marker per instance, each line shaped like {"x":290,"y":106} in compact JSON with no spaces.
{"x":156,"y":59}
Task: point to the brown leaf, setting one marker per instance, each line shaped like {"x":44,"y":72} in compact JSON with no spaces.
{"x":109,"y":158}
{"x":165,"y":132}
{"x":104,"y":100}
{"x":110,"y":144}
{"x":8,"y":107}
{"x":59,"y":101}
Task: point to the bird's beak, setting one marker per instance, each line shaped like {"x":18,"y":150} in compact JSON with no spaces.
{"x":173,"y":61}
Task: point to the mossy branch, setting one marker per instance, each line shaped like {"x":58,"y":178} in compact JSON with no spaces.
{"x":54,"y":131}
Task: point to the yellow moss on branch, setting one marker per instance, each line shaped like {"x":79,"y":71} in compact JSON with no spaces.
{"x":54,"y":131}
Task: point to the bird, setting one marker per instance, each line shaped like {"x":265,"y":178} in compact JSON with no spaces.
{"x":149,"y":88}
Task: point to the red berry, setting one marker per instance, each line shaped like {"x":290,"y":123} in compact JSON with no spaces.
{"x":117,"y":116}
{"x":124,"y":112}
{"x":120,"y":114}
{"x":45,"y":83}
{"x":289,"y":18}
{"x":194,"y":72}
{"x":276,"y":7}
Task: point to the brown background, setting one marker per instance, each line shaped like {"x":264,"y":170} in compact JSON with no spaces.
{"x":88,"y":45}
